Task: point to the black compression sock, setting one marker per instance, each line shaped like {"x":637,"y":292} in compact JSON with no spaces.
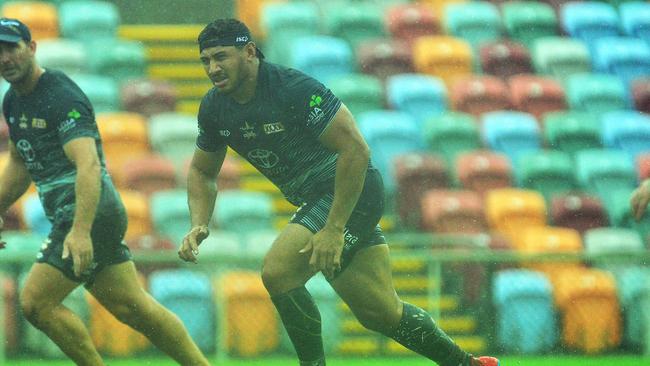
{"x":301,"y":319}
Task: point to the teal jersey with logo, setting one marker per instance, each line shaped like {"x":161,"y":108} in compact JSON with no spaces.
{"x":40,"y":124}
{"x":277,"y":131}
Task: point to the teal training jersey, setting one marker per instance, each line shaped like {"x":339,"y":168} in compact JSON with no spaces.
{"x":40,"y":123}
{"x":277,"y":131}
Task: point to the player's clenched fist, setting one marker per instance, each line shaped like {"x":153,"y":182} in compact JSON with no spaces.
{"x":190,"y":246}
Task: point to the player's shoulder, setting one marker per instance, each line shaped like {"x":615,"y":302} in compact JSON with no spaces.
{"x":60,"y":85}
{"x":280,"y":76}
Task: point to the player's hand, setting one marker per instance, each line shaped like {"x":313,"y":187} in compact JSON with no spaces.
{"x":325,"y":247}
{"x":2,"y":226}
{"x":78,"y":245}
{"x":190,"y":246}
{"x":640,"y":198}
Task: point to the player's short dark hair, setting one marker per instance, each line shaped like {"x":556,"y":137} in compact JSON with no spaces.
{"x":223,"y":27}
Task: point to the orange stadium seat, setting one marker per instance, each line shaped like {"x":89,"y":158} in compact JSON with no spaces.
{"x":536,"y":95}
{"x":580,"y":295}
{"x":137,"y":210}
{"x":124,"y":136}
{"x":483,"y":170}
{"x":549,"y":240}
{"x":148,"y":173}
{"x":148,"y":97}
{"x":641,"y":94}
{"x":448,"y":58}
{"x":416,"y":173}
{"x":243,"y":294}
{"x":447,"y":211}
{"x":510,"y":210}
{"x":505,"y":59}
{"x":249,"y":12}
{"x":410,"y":21}
{"x":579,"y":211}
{"x":41,"y":17}
{"x":479,"y":94}
{"x":384,"y":57}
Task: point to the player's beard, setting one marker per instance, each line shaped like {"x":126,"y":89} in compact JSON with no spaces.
{"x":24,"y":72}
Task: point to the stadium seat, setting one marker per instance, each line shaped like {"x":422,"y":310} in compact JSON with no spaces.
{"x":480,"y":94}
{"x":137,"y":211}
{"x":169,"y":214}
{"x":416,"y":173}
{"x":124,"y":62}
{"x":477,"y":22}
{"x":100,"y":20}
{"x":634,"y":294}
{"x":505,"y":58}
{"x":589,"y":21}
{"x":322,"y":57}
{"x":242,"y":293}
{"x":450,"y":134}
{"x":602,"y":172}
{"x":448,"y":58}
{"x":22,"y":243}
{"x":151,"y":242}
{"x":243,"y":211}
{"x":581,"y":294}
{"x":452,"y":212}
{"x":548,"y":172}
{"x":643,"y":166}
{"x":483,"y":170}
{"x":102,"y":91}
{"x":173,"y":135}
{"x":560,"y":57}
{"x":355,"y":22}
{"x":257,"y":243}
{"x":627,"y":58}
{"x":420,"y":96}
{"x":610,"y":241}
{"x":384,"y":58}
{"x":550,"y":240}
{"x":578,"y":211}
{"x":409,"y":21}
{"x":536,"y":95}
{"x":229,"y":176}
{"x":524,"y":310}
{"x":148,"y":174}
{"x":389,"y":134}
{"x":641,"y":94}
{"x":511,"y":133}
{"x":148,"y":97}
{"x":571,"y":132}
{"x":34,"y":216}
{"x":628,"y":131}
{"x":124,"y":137}
{"x":250,"y":12}
{"x":359,"y":92}
{"x":620,"y":214}
{"x":635,"y":19}
{"x":66,"y":55}
{"x":283,"y":22}
{"x":510,"y":210}
{"x":224,"y":244}
{"x":189,"y":295}
{"x":597,"y":93}
{"x":526,"y":21}
{"x":41,"y":17}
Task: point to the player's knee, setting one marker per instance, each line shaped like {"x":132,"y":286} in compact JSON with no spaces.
{"x":31,"y":309}
{"x":380,"y":320}
{"x":274,"y":275}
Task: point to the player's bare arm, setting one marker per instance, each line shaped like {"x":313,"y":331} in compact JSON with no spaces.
{"x":202,"y":193}
{"x":82,"y":152}
{"x":14,"y":181}
{"x":640,"y":198}
{"x":343,"y":137}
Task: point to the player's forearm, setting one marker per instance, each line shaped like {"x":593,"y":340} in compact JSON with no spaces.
{"x":14,"y":182}
{"x":87,"y":191}
{"x":351,"y":168}
{"x":201,"y":196}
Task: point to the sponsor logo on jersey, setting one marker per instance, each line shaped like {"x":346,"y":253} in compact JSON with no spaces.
{"x":263,"y":158}
{"x":12,"y":120}
{"x":224,"y":133}
{"x":270,"y":128}
{"x":39,"y":123}
{"x":71,"y":122}
{"x":248,"y":131}
{"x":28,"y":154}
{"x":316,"y":114}
{"x":23,"y":121}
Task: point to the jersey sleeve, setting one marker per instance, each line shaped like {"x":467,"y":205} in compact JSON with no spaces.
{"x":208,"y":138}
{"x":75,"y":120}
{"x":313,"y":103}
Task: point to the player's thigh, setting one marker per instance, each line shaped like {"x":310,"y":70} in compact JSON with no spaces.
{"x":284,"y":263}
{"x":118,"y":288}
{"x":46,"y":286}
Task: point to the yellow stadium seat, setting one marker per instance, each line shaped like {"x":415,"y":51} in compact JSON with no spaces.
{"x":448,"y":58}
{"x":137,"y":210}
{"x":41,"y":17}
{"x":439,"y":6}
{"x":550,"y":240}
{"x":509,"y":210}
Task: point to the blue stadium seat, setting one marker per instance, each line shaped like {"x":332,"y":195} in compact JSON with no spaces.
{"x":627,"y":130}
{"x":590,"y":21}
{"x":626,"y":57}
{"x":389,"y":134}
{"x":284,"y":22}
{"x":100,"y":19}
{"x":511,"y":133}
{"x":169,"y":214}
{"x":188,"y":294}
{"x":244,"y":211}
{"x":477,"y":22}
{"x":603,"y":171}
{"x":322,"y":57}
{"x":634,"y":293}
{"x":359,"y":92}
{"x":525,"y":314}
{"x":595,"y":93}
{"x":635,"y":20}
{"x":103,"y":91}
{"x":66,"y":55}
{"x":35,"y":216}
{"x":421,"y":96}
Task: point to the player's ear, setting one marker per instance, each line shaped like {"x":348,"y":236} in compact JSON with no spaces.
{"x":251,"y":50}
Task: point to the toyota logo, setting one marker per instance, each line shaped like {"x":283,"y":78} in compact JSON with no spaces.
{"x":263,"y":158}
{"x":26,"y":151}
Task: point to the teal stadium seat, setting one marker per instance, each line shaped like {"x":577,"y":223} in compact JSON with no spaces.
{"x":355,"y":22}
{"x":285,"y":22}
{"x":359,"y":92}
{"x":596,"y":93}
{"x":571,"y":131}
{"x":634,"y":294}
{"x":560,"y":57}
{"x":322,"y":57}
{"x":222,"y":243}
{"x":620,"y":214}
{"x":22,"y":244}
{"x":66,"y":55}
{"x":420,"y":96}
{"x":451,"y":134}
{"x":603,"y":171}
{"x":170,"y":215}
{"x":173,"y":135}
{"x":121,"y":60}
{"x":34,"y":216}
{"x":477,"y":22}
{"x":89,"y":20}
{"x":607,"y":241}
{"x":525,"y":21}
{"x":590,"y":21}
{"x":548,"y":172}
{"x":102,"y":91}
{"x":244,"y":211}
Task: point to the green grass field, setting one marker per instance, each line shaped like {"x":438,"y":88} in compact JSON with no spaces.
{"x":505,"y":361}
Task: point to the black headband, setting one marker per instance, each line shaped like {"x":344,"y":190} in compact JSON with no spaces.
{"x":232,"y":39}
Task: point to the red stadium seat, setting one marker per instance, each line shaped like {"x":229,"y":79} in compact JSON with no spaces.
{"x":505,"y":59}
{"x":536,"y":95}
{"x":643,"y":166}
{"x":384,"y":57}
{"x":148,"y":97}
{"x":415,"y":174}
{"x":479,"y":94}
{"x":483,"y":170}
{"x":149,"y":173}
{"x":410,"y":21}
{"x":641,"y":94}
{"x":578,"y":211}
{"x":446,"y":211}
